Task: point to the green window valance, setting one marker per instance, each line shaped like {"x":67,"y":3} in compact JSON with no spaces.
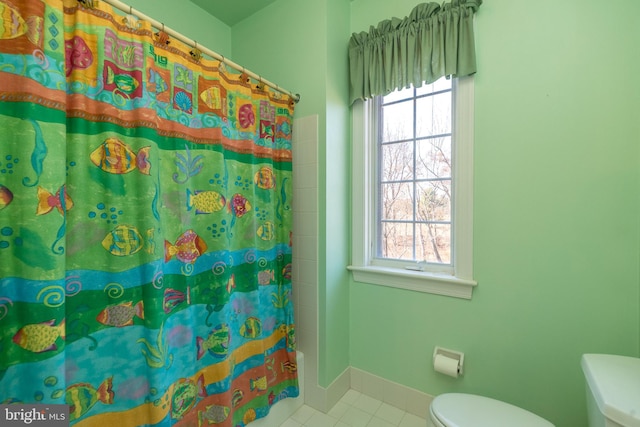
{"x":433,"y":41}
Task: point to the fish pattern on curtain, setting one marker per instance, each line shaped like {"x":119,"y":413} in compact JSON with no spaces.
{"x":145,"y":224}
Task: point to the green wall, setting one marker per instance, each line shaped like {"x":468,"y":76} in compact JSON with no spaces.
{"x":557,"y":189}
{"x":295,"y":62}
{"x":338,"y":200}
{"x":556,"y":231}
{"x":190,"y":20}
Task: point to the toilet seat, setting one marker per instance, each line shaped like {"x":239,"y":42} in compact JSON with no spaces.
{"x":469,"y":410}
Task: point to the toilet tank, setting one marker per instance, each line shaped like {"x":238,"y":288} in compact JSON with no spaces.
{"x":613,"y":390}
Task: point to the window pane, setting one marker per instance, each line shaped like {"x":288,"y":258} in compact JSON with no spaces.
{"x":398,"y":95}
{"x":397,"y":201}
{"x":442,"y":84}
{"x":433,"y":115}
{"x":397,"y":121}
{"x":434,"y":201}
{"x":397,"y":161}
{"x":433,"y":158}
{"x":433,"y":243}
{"x":396,"y":240}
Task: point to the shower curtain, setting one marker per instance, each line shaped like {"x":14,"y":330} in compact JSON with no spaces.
{"x":145,"y":224}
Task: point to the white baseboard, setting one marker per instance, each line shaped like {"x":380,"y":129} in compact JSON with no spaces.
{"x":405,"y":398}
{"x":402,"y":397}
{"x":323,"y":399}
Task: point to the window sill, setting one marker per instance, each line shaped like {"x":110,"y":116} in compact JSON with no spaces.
{"x":418,"y":281}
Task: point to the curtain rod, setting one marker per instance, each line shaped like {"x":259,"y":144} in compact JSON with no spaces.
{"x":159,"y":25}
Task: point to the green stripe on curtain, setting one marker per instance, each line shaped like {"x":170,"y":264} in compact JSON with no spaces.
{"x":433,"y":41}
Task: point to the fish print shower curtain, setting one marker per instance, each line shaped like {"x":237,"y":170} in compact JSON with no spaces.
{"x":145,"y":224}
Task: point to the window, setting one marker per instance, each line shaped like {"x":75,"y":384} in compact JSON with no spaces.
{"x":413,"y":188}
{"x":413,"y":207}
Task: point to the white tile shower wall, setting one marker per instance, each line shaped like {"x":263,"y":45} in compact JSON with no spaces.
{"x":305,"y":243}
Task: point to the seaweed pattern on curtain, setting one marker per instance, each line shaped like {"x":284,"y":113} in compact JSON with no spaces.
{"x":145,"y":225}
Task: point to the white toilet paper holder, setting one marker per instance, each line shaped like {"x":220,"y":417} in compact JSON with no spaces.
{"x":452,"y":354}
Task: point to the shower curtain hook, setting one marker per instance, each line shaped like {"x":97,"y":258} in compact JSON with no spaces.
{"x":130,"y":10}
{"x":161,"y":36}
{"x":196,"y":54}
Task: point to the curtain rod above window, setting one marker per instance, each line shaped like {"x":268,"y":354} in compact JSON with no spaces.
{"x":160,"y":26}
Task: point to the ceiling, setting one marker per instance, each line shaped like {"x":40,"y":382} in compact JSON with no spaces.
{"x":232,"y":11}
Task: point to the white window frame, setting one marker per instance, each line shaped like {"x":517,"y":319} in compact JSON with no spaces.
{"x":422,"y":277}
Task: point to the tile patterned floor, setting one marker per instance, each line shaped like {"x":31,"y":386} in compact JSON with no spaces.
{"x":355,"y":410}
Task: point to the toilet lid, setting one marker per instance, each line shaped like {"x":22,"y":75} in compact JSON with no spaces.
{"x":614,"y":382}
{"x":468,"y":410}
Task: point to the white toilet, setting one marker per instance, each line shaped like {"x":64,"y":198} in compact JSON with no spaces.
{"x":613,"y":390}
{"x":469,"y":410}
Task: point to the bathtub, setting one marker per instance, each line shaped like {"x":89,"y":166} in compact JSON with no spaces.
{"x":282,"y":410}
